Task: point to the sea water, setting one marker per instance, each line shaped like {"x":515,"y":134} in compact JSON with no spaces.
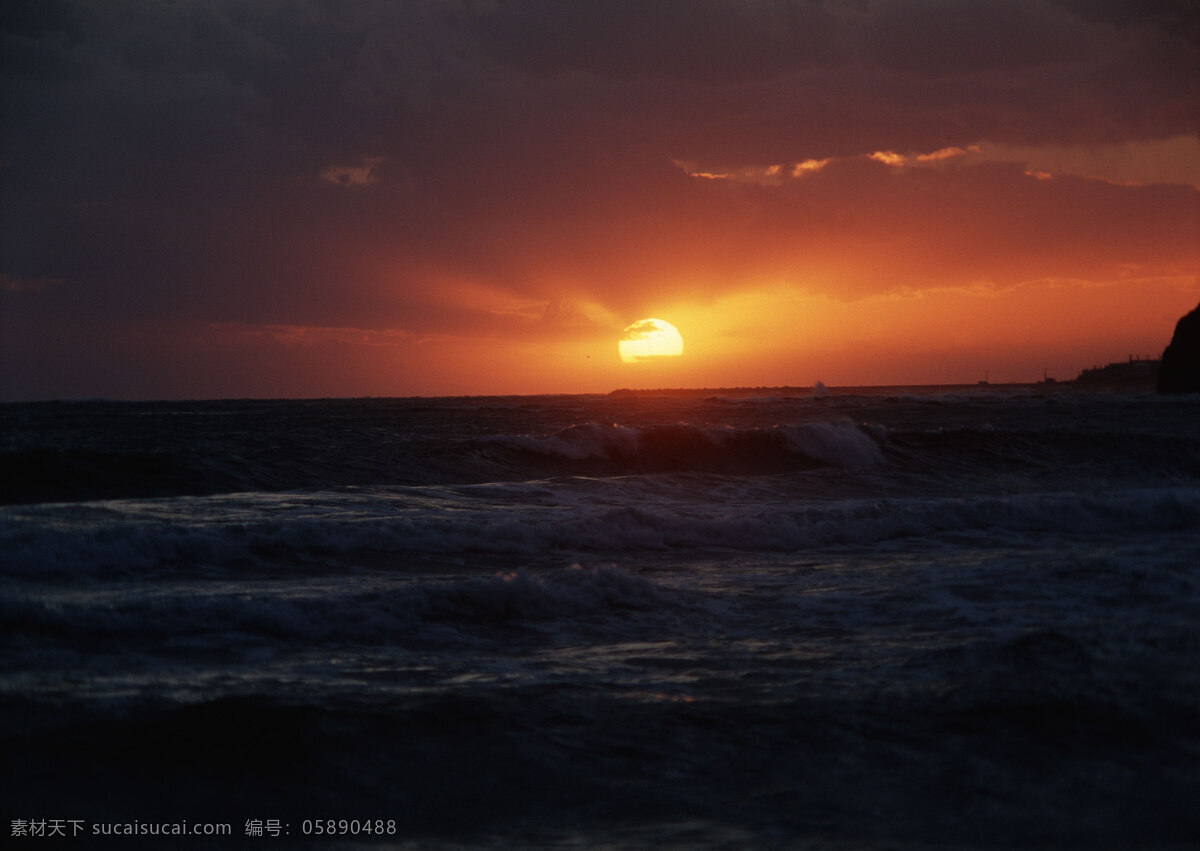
{"x":844,"y":619}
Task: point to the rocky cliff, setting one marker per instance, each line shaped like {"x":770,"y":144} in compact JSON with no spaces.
{"x":1180,"y":369}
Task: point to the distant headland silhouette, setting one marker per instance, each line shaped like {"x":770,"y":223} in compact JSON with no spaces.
{"x":1180,"y":370}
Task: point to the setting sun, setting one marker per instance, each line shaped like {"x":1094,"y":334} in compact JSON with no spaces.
{"x":650,"y":338}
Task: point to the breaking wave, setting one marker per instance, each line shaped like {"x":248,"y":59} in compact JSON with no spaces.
{"x":620,"y":518}
{"x":668,"y":448}
{"x":335,"y":613}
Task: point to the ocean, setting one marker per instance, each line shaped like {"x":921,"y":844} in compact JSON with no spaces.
{"x":886,"y":618}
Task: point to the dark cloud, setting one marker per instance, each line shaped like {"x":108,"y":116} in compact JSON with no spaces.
{"x":947,"y":37}
{"x":705,"y":41}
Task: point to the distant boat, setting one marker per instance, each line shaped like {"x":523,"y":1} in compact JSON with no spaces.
{"x":985,"y":378}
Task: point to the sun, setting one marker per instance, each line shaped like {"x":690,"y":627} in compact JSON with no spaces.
{"x":648,"y":339}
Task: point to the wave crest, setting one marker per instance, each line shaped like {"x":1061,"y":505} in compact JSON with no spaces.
{"x":329,"y":614}
{"x":683,"y":447}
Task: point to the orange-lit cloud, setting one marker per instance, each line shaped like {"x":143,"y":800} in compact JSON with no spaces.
{"x":761,"y":175}
{"x":354,"y":175}
{"x":889,"y":158}
{"x":940,"y":155}
{"x":945,"y":154}
{"x":809,"y":166}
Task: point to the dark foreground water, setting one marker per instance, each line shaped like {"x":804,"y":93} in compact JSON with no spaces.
{"x":839,"y":621}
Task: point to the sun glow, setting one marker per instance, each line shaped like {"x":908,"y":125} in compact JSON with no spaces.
{"x":647,"y":339}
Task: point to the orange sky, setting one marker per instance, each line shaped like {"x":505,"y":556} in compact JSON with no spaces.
{"x":217,"y":200}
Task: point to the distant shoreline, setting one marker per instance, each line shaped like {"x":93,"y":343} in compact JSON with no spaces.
{"x":883,"y":389}
{"x":1132,"y":375}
